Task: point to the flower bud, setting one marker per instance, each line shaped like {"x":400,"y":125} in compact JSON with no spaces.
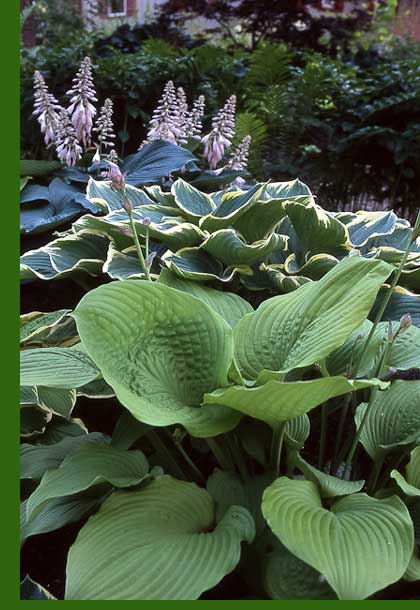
{"x":127,"y":205}
{"x":405,"y":322}
{"x":96,"y":157}
{"x":115,"y":176}
{"x":146,"y":221}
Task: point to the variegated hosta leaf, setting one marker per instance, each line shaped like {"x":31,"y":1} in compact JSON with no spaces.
{"x":361,"y":545}
{"x":165,"y":227}
{"x":33,"y":420}
{"x":123,"y":265}
{"x":272,"y":277}
{"x":410,"y":278}
{"x":31,"y":590}
{"x":275,"y":401}
{"x":56,"y":367}
{"x":259,"y":221}
{"x":328,"y":485}
{"x":368,"y":226}
{"x":35,"y":460}
{"x":315,"y":268}
{"x":231,"y":208}
{"x":164,"y":534}
{"x":34,"y":325}
{"x":392,"y":420}
{"x":102,"y":194}
{"x":410,"y":484}
{"x":317,"y":229}
{"x":227,"y":246}
{"x":90,"y":465}
{"x":160,"y":350}
{"x":287,"y":577}
{"x":193,"y":203}
{"x":287,"y":190}
{"x":295,"y":330}
{"x":195,"y":264}
{"x":159,"y":196}
{"x":231,"y":307}
{"x":65,"y":256}
{"x":404,"y":353}
{"x":401,"y":302}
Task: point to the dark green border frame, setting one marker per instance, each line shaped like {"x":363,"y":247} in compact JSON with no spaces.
{"x":9,"y":299}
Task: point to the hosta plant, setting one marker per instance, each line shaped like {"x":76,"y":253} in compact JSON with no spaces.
{"x":278,"y":440}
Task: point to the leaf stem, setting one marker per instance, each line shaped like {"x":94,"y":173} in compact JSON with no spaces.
{"x":185,"y":455}
{"x":278,"y":446}
{"x":138,"y":247}
{"x":224,"y":461}
{"x":161,"y":448}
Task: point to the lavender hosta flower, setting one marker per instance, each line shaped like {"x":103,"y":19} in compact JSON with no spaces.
{"x":68,"y":148}
{"x":165,"y":121}
{"x":239,"y":158}
{"x":221,"y":134}
{"x":46,"y":109}
{"x":183,"y":113}
{"x":194,"y":126}
{"x":104,"y":126}
{"x":81,"y":107}
{"x":114,"y":174}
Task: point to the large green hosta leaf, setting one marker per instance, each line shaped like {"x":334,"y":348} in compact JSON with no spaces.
{"x":160,"y":350}
{"x":56,"y":367}
{"x":276,"y":401}
{"x":328,"y":485}
{"x":287,"y":577}
{"x":156,"y":543}
{"x":305,"y":326}
{"x":227,"y":246}
{"x":392,"y":420}
{"x":361,"y":545}
{"x":102,"y":194}
{"x":410,"y":484}
{"x":231,"y":307}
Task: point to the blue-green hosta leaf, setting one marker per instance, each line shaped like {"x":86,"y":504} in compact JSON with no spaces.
{"x":162,"y":532}
{"x":160,"y":350}
{"x":392,"y":420}
{"x":232,"y":207}
{"x":101,"y":194}
{"x":62,"y":202}
{"x":287,"y":577}
{"x":33,"y":420}
{"x":410,"y":484}
{"x":56,"y":367}
{"x":35,"y":460}
{"x":165,"y":198}
{"x":34,"y":167}
{"x":277,"y":401}
{"x":29,"y":589}
{"x":328,"y":486}
{"x":227,"y":489}
{"x":231,"y":307}
{"x":360,"y":546}
{"x":98,"y":388}
{"x":64,"y":256}
{"x":297,"y":329}
{"x":91,"y":464}
{"x":370,"y":225}
{"x":60,"y":401}
{"x":273,"y":278}
{"x":35,"y":324}
{"x":122,"y":265}
{"x":195,"y":264}
{"x":317,"y":229}
{"x":155,"y":161}
{"x":410,"y":278}
{"x":227,"y":246}
{"x":59,"y":512}
{"x":192,"y":202}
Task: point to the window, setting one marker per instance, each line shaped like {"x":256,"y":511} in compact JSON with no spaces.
{"x":117,"y":8}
